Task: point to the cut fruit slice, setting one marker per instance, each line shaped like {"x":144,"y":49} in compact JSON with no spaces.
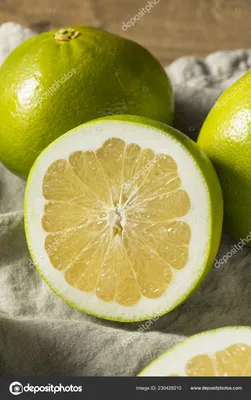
{"x":221,"y":352}
{"x":123,"y":217}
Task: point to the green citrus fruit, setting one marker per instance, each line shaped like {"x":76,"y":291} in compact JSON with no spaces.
{"x":226,"y":137}
{"x":60,"y":79}
{"x":220,"y":352}
{"x":123,"y":217}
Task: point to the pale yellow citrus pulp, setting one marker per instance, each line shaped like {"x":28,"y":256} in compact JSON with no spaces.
{"x":234,"y":360}
{"x":121,"y":205}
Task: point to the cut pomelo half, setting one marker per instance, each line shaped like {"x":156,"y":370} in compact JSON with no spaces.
{"x":221,"y":352}
{"x":123,"y":217}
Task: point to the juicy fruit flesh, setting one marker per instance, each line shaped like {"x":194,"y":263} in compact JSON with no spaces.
{"x":235,"y":360}
{"x":112,"y":218}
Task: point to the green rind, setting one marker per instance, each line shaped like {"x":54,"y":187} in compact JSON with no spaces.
{"x":225,"y":136}
{"x":182,"y":342}
{"x":215,"y":196}
{"x":109,"y":75}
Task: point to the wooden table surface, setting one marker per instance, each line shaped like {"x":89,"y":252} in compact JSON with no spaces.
{"x":169,"y":28}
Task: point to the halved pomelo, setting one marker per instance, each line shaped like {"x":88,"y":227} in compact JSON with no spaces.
{"x":123,"y":217}
{"x":221,"y":352}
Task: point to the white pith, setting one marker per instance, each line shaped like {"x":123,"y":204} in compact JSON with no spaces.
{"x":90,"y":137}
{"x":175,"y":360}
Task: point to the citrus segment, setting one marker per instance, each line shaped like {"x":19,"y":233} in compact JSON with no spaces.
{"x":87,"y":168}
{"x":201,"y":365}
{"x":60,"y":183}
{"x":110,"y":156}
{"x":152,"y":273}
{"x":84,"y":270}
{"x":147,"y":160}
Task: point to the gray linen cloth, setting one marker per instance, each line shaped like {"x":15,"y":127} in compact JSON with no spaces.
{"x":41,"y":335}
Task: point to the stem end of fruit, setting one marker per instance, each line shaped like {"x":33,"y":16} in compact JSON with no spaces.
{"x":65,"y":35}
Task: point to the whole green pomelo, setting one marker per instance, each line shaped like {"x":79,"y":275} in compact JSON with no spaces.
{"x":226,"y":138}
{"x":63,"y":78}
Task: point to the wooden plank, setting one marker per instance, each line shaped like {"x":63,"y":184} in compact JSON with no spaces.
{"x":48,"y":14}
{"x":171,"y":28}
